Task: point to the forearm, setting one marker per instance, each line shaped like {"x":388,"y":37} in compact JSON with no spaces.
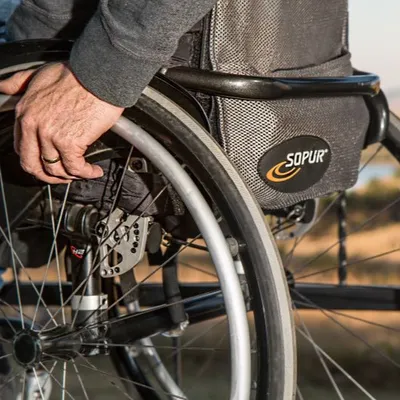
{"x":64,"y":19}
{"x":126,"y":43}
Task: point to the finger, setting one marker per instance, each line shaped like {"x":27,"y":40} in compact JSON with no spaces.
{"x":49,"y":152}
{"x":16,"y":83}
{"x":52,"y":180}
{"x":29,"y":151}
{"x":76,"y":165}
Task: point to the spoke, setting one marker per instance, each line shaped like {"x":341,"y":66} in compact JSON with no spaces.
{"x":350,"y":264}
{"x":9,"y":380}
{"x":2,"y":340}
{"x":299,"y":395}
{"x":55,"y":234}
{"x":94,"y":368}
{"x":25,"y":209}
{"x":125,"y":379}
{"x":64,"y":380}
{"x":380,"y":147}
{"x":340,"y":368}
{"x":198,"y":269}
{"x":321,"y":359}
{"x":27,"y":275}
{"x":23,"y":386}
{"x":97,"y":266}
{"x":351,"y":332}
{"x":183,"y":242}
{"x":53,"y":247}
{"x":5,"y":356}
{"x":333,"y":201}
{"x":28,"y":228}
{"x":282,"y":227}
{"x":210,"y":357}
{"x":322,"y":214}
{"x":109,"y":322}
{"x":8,"y":321}
{"x":15,"y":309}
{"x":289,"y":255}
{"x":38,"y":383}
{"x":57,"y":381}
{"x":48,"y":374}
{"x":148,"y":276}
{"x":116,"y":197}
{"x":365,"y":223}
{"x":299,"y":240}
{"x":78,"y":375}
{"x":374,"y":257}
{"x":102,"y":344}
{"x":141,"y":282}
{"x":316,"y":307}
{"x":14,"y":266}
{"x":197,"y":337}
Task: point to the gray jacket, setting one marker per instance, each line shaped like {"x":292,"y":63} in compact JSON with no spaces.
{"x":120,"y":44}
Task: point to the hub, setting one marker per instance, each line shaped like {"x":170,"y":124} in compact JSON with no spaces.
{"x":27,"y":348}
{"x":30,"y":347}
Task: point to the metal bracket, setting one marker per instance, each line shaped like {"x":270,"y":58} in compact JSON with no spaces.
{"x":126,"y":236}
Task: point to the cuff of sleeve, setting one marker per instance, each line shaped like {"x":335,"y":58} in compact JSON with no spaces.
{"x":111,"y":74}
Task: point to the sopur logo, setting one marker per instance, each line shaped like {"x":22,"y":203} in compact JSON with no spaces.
{"x":288,"y":169}
{"x":296,"y":164}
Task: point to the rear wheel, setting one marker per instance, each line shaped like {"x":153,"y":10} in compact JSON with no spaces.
{"x":251,"y":261}
{"x":342,"y":259}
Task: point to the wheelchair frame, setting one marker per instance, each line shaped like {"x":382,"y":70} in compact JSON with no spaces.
{"x":177,"y":83}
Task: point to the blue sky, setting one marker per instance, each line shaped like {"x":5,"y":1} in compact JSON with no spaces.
{"x":375,"y":42}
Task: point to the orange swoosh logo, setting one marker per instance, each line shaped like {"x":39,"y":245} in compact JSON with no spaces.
{"x":276,"y":175}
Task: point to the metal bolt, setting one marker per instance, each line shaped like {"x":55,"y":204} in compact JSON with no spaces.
{"x":233,"y":246}
{"x":103,"y":272}
{"x":136,"y":232}
{"x":116,"y":269}
{"x":136,"y":165}
{"x":116,"y":236}
{"x":124,"y":217}
{"x":100,"y":229}
{"x":137,"y":238}
{"x":133,"y":250}
{"x":136,"y":226}
{"x":136,"y":244}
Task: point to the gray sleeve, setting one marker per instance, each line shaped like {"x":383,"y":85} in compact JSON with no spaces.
{"x":127,"y":41}
{"x":64,"y":19}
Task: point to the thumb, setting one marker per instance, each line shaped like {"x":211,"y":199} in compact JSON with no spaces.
{"x":16,"y":83}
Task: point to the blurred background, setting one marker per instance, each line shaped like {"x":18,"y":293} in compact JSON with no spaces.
{"x":374,"y":35}
{"x":370,"y":352}
{"x":365,"y":343}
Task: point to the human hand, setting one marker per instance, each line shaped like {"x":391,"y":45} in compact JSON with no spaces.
{"x":57,"y":119}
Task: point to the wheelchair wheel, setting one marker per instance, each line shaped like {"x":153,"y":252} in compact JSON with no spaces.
{"x":341,"y":254}
{"x":169,"y":192}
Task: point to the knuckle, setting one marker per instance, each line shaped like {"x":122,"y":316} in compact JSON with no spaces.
{"x":59,"y":142}
{"x":19,"y":108}
{"x":12,"y":86}
{"x":27,"y":122}
{"x":18,"y":76}
{"x":45,"y":134}
{"x":50,"y":168}
{"x":28,"y":168}
{"x":73,"y":170}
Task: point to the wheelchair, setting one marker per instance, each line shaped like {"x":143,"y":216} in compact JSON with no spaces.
{"x":180,"y":240}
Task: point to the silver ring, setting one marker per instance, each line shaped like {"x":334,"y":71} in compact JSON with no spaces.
{"x":50,"y":160}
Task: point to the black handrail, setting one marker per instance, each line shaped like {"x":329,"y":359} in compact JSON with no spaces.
{"x":264,"y":88}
